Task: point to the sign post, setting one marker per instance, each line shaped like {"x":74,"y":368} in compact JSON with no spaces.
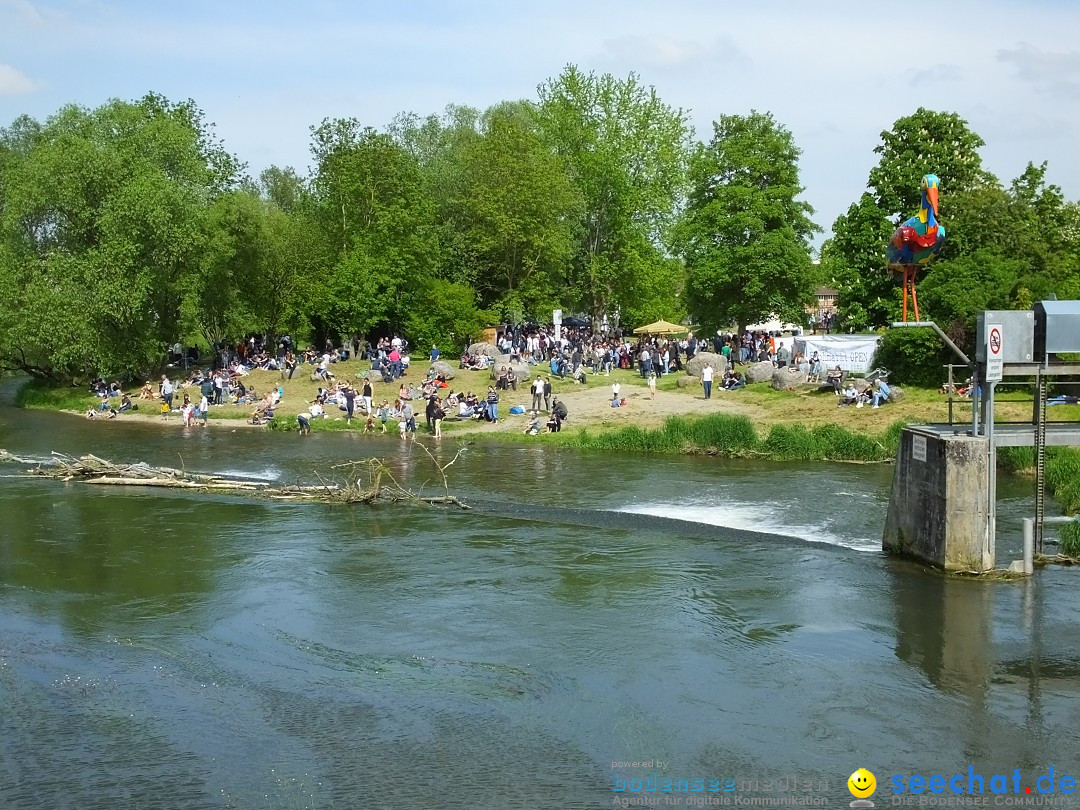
{"x":995,"y":352}
{"x":556,"y":318}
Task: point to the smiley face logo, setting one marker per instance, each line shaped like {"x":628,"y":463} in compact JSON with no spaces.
{"x":862,"y":783}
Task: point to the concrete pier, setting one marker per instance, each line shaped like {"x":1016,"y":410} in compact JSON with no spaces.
{"x":938,"y":510}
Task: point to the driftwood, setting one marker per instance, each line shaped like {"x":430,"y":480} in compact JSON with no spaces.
{"x":347,"y":486}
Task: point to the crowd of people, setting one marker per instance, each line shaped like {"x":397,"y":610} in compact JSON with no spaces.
{"x":568,"y":353}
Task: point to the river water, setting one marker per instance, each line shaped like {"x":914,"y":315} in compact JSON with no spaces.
{"x":705,"y":619}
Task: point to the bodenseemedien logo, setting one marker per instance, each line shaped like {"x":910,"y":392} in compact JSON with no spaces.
{"x":862,"y":785}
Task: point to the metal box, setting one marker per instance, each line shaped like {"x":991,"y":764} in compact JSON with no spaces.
{"x":1057,"y":327}
{"x":1018,"y":334}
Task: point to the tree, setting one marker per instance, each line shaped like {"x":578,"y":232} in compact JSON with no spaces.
{"x":745,"y":235}
{"x":926,"y":142}
{"x":518,"y":212}
{"x":626,"y":152}
{"x":218,"y":289}
{"x":445,"y":314}
{"x":374,"y":210}
{"x":852,"y":260}
{"x":101,"y":221}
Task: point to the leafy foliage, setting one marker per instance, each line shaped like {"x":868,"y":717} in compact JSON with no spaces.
{"x":373,"y":206}
{"x":925,"y":142}
{"x":853,"y":261}
{"x":745,"y":234}
{"x":626,"y":152}
{"x":444,"y":313}
{"x":101,"y":221}
{"x":913,"y":357}
{"x":1006,"y":247}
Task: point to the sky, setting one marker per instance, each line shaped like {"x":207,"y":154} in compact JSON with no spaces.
{"x":836,"y":73}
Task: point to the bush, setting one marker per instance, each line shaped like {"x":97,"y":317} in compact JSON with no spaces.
{"x":1070,"y":539}
{"x":47,"y":395}
{"x":913,"y":357}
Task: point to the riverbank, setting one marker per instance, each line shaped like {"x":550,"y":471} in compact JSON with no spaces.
{"x":754,"y":422}
{"x":589,"y":405}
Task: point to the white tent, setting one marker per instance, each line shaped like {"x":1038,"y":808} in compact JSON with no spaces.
{"x":850,"y":352}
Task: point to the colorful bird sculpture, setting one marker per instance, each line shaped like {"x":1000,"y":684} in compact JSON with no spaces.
{"x":917,"y":241}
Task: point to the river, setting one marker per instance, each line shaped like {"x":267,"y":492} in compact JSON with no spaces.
{"x":593,"y":620}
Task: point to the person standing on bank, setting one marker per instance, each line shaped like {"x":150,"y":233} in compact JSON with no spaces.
{"x":350,"y":404}
{"x":436,"y":419}
{"x":366,"y":394}
{"x":166,"y":391}
{"x":706,"y":380}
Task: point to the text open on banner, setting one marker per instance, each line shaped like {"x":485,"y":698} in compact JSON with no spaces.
{"x":850,"y":352}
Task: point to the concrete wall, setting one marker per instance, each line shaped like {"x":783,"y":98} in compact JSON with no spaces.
{"x":938,"y":507}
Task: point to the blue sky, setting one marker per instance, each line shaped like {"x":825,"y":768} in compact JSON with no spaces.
{"x":836,"y":73}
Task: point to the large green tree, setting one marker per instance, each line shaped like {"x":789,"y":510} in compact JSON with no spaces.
{"x":626,"y":151}
{"x":375,"y":212}
{"x":101,"y":220}
{"x":852,"y":260}
{"x":518,"y":211}
{"x":745,"y":232}
{"x":925,"y":142}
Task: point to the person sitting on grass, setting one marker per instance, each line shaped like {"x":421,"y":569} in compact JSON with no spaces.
{"x":881,"y":392}
{"x":147,"y":392}
{"x":533,"y":426}
{"x":848,"y":396}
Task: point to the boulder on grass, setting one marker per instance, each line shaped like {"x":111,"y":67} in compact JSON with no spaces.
{"x":443,"y":369}
{"x":861,"y":385}
{"x":483,"y":348}
{"x":761,"y":371}
{"x":698,"y":361}
{"x":787,"y":379}
{"x":522,"y":370}
{"x":684,"y":382}
{"x":896,"y":394}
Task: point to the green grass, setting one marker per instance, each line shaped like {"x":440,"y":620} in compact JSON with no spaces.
{"x":1062,"y":471}
{"x":1070,"y":539}
{"x":736,"y":436}
{"x":45,"y":395}
{"x":1063,"y":477}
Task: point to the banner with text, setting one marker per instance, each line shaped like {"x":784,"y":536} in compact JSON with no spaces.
{"x":850,"y":352}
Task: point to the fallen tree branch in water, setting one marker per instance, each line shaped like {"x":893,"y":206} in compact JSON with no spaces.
{"x":90,"y":469}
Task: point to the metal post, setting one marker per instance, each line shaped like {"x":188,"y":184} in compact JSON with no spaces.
{"x":952,"y":388}
{"x":1029,"y":546}
{"x":991,"y":478}
{"x":975,"y":402}
{"x":1040,"y":459}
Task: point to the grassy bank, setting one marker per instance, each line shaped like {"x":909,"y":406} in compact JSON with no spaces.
{"x":737,"y":437}
{"x":46,"y":396}
{"x":1062,"y":471}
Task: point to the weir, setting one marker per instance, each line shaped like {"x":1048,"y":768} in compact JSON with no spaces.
{"x":942,"y":509}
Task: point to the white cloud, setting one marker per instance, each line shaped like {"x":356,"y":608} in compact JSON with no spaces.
{"x":936,"y":73}
{"x":664,"y":52}
{"x":14,"y":82}
{"x":1057,"y":73}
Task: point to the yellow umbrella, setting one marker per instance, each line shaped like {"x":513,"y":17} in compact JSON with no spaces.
{"x":661,"y":328}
